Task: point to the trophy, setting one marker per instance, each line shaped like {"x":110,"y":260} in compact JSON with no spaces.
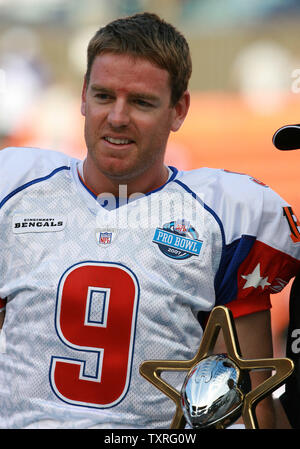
{"x":213,"y":392}
{"x":217,"y":390}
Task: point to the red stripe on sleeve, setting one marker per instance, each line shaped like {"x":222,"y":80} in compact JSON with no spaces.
{"x":266,"y":270}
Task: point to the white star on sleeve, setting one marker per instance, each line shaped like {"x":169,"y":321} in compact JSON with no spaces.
{"x":255,"y":279}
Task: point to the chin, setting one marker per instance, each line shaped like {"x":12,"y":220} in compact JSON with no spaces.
{"x":123,"y":172}
{"x":119,"y":174}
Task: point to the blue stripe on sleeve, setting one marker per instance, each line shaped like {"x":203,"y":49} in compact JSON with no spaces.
{"x":233,"y":255}
{"x":30,"y":183}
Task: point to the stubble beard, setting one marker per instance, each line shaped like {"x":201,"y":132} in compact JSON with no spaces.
{"x":135,"y":170}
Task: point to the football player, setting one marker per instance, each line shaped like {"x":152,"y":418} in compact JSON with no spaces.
{"x":118,"y":259}
{"x":285,"y":139}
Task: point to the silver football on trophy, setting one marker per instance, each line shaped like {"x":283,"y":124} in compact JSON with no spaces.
{"x":213,"y":391}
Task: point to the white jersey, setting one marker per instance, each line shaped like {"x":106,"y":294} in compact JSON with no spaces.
{"x":93,"y":289}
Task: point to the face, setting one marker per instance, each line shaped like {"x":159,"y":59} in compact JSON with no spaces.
{"x":128,"y":116}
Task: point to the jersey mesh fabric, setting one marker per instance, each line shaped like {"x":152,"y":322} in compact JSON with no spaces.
{"x":83,"y":313}
{"x":170,"y":292}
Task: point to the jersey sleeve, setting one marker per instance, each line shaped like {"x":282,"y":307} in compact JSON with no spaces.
{"x":20,"y":168}
{"x":261,"y":250}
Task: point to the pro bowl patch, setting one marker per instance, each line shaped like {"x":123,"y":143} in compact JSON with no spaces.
{"x":178,"y":240}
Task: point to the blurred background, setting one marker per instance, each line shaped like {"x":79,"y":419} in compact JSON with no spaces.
{"x":245,"y":85}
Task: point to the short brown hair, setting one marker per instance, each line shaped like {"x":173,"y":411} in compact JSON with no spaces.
{"x":146,"y":35}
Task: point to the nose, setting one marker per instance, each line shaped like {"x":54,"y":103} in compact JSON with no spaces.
{"x":118,"y":116}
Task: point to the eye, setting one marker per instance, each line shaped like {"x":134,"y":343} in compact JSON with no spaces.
{"x":143,"y":103}
{"x":103,"y":96}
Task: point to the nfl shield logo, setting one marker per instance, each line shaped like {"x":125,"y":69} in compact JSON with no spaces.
{"x":104,"y":237}
{"x":181,"y":226}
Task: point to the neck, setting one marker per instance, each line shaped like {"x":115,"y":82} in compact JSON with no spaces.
{"x":118,"y":186}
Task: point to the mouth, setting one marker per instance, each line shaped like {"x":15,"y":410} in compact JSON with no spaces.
{"x":120,"y":142}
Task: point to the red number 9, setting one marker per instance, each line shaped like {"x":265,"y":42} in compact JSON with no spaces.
{"x":96,"y":312}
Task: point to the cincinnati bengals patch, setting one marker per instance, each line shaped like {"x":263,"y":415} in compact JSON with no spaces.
{"x":23,"y":225}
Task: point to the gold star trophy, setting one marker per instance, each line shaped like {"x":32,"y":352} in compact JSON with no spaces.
{"x":216,"y":390}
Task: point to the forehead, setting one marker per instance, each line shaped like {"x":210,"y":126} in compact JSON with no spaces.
{"x":128,"y":73}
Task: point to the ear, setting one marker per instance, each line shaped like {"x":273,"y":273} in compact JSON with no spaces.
{"x":83,"y":97}
{"x":180,"y":111}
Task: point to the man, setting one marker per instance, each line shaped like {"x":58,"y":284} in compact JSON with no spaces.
{"x":117,"y":259}
{"x":285,"y":139}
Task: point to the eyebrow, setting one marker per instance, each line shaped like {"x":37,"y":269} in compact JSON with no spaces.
{"x":141,"y":95}
{"x":97,"y":88}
